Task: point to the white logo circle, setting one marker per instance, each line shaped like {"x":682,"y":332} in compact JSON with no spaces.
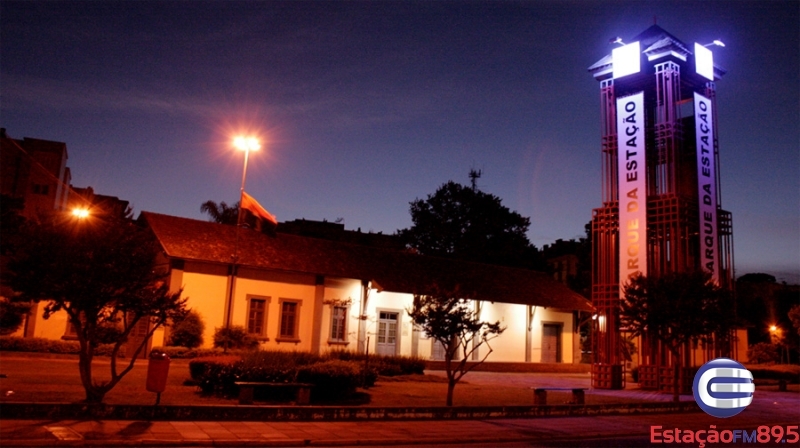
{"x":723,"y":387}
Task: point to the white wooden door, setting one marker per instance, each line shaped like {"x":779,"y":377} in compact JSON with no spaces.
{"x":387,"y":333}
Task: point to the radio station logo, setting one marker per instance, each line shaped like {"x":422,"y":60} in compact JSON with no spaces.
{"x":723,"y":387}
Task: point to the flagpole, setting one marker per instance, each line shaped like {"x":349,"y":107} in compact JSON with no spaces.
{"x":241,"y":190}
{"x":245,"y":144}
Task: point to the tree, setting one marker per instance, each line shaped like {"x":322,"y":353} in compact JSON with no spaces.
{"x":12,"y":314}
{"x":103,"y":274}
{"x":221,"y":213}
{"x":450,"y":319}
{"x":188,"y":332}
{"x":677,"y":309}
{"x":794,"y":316}
{"x":463,"y":222}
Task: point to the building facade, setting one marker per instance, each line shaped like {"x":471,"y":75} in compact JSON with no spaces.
{"x":300,"y":293}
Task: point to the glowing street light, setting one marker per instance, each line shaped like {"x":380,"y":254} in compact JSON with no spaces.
{"x":80,"y":213}
{"x":716,"y":42}
{"x":245,"y":144}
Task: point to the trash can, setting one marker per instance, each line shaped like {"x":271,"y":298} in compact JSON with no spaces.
{"x":157,"y":370}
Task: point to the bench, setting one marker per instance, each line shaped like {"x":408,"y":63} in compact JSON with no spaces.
{"x":540,"y":394}
{"x":247,"y":390}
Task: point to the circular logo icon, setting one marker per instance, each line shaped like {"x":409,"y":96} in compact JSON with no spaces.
{"x":723,"y":387}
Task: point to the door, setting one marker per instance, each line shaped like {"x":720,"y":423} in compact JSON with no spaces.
{"x":551,"y":343}
{"x":387,"y":333}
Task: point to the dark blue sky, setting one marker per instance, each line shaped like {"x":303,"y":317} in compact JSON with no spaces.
{"x":366,"y":106}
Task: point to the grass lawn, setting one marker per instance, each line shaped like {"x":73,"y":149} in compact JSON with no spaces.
{"x":35,"y":378}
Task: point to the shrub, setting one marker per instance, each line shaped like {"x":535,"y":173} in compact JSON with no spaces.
{"x":762,"y":352}
{"x":234,"y":337}
{"x":787,"y":372}
{"x":188,"y":332}
{"x":385,"y":365}
{"x":215,"y":374}
{"x":274,"y":366}
{"x":332,"y":379}
{"x":41,"y":345}
{"x":186,"y":353}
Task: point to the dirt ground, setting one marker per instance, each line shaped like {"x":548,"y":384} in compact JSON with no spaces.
{"x":56,"y":379}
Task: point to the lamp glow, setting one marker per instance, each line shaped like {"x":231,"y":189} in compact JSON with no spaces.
{"x":80,"y":213}
{"x":246,"y":143}
{"x":716,"y":42}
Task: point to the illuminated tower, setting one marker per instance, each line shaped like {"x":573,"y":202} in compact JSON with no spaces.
{"x":661,"y":208}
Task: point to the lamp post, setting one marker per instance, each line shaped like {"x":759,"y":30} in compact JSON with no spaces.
{"x":245,"y":144}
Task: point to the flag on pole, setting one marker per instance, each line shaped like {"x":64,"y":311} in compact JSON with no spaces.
{"x":255,"y":210}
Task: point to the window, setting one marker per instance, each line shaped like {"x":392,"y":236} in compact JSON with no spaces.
{"x":290,"y":311}
{"x":257,"y":316}
{"x":339,"y":324}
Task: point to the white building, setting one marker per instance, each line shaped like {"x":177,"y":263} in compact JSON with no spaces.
{"x":308,"y":294}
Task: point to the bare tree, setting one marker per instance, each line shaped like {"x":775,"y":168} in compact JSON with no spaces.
{"x":452,"y":320}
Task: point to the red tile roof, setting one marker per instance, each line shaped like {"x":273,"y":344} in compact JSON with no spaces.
{"x":391,"y":270}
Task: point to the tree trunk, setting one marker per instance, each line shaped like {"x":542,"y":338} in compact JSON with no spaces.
{"x":451,"y":385}
{"x":451,"y":376}
{"x":94,"y":394}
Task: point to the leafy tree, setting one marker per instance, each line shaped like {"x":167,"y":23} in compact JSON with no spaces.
{"x":794,"y":316}
{"x":450,"y":319}
{"x":463,"y":222}
{"x":12,"y":314}
{"x":188,"y":332}
{"x":103,"y":274}
{"x":221,"y":213}
{"x":762,"y":353}
{"x":677,"y":309}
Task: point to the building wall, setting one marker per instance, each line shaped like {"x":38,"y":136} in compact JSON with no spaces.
{"x":206,"y":286}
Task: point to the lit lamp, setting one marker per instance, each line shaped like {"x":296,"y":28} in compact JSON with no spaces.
{"x":245,"y":144}
{"x":80,"y":213}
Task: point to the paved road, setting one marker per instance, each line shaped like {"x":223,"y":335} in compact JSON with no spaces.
{"x":768,"y":408}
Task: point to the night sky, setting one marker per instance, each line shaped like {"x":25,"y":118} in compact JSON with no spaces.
{"x":363,"y":107}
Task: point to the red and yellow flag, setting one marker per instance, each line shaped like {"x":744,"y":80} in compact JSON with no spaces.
{"x":251,"y":205}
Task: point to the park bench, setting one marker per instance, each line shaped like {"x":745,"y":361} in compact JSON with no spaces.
{"x":540,"y":394}
{"x":247,"y":390}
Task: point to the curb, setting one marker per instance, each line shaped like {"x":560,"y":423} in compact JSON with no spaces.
{"x":79,"y":411}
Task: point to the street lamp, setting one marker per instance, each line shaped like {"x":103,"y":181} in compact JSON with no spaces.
{"x":80,"y":213}
{"x":716,"y":42}
{"x":245,"y":144}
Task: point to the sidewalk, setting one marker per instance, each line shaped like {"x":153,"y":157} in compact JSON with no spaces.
{"x":768,"y":408}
